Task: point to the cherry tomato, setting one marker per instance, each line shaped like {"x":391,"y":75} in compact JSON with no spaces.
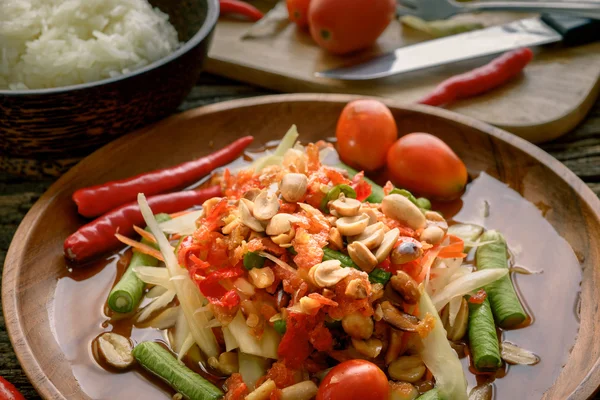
{"x":354,"y":380}
{"x":344,"y":26}
{"x":365,"y":132}
{"x":423,"y":163}
{"x":8,"y":391}
{"x":298,"y":12}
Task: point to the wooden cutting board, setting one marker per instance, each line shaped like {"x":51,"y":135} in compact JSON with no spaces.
{"x":549,"y":99}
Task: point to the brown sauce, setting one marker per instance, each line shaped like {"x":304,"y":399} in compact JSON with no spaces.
{"x":80,"y":313}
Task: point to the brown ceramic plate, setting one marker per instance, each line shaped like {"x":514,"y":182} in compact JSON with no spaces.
{"x":567,"y":213}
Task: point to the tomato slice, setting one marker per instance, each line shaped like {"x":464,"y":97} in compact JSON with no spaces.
{"x":354,"y":380}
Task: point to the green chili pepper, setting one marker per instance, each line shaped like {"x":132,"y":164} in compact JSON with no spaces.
{"x":253,"y":260}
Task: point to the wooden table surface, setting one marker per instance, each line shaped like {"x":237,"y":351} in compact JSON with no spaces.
{"x":579,"y":150}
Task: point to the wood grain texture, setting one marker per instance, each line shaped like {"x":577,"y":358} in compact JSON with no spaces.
{"x":17,"y":195}
{"x":548,"y":100}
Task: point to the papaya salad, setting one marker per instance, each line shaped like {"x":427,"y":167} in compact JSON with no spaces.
{"x":297,"y":279}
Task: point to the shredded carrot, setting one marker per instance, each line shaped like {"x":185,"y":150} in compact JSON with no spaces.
{"x":427,"y":262}
{"x":142,"y":248}
{"x":175,"y":236}
{"x":454,"y":249}
{"x":179,"y":214}
{"x":145,"y":234}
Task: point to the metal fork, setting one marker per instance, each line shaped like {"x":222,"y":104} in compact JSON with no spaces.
{"x":430,"y":10}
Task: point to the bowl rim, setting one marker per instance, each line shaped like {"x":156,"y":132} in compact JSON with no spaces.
{"x":212,"y":16}
{"x":10,"y":278}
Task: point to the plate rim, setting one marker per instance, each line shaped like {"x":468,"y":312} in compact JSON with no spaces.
{"x":10,"y":304}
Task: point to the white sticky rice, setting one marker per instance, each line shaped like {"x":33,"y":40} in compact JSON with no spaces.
{"x":53,"y":43}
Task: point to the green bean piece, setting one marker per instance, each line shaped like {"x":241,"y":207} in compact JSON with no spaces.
{"x":483,"y":339}
{"x":376,"y":190}
{"x":505,"y":303}
{"x":346,"y":261}
{"x":378,"y":275}
{"x":280,"y":326}
{"x":334,"y":193}
{"x":424,"y":203}
{"x":127,"y":293}
{"x":253,"y":260}
{"x":432,"y":394}
{"x":158,"y":360}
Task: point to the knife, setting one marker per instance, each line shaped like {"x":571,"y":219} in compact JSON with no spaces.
{"x":549,"y":28}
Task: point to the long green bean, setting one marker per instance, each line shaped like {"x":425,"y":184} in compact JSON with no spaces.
{"x":127,"y":293}
{"x":158,"y":360}
{"x":329,"y":254}
{"x":483,"y":339}
{"x":505,"y":303}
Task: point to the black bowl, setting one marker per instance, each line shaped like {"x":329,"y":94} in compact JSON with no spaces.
{"x":44,"y":132}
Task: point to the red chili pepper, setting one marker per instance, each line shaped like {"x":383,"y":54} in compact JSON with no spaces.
{"x":478,"y":297}
{"x":8,"y":391}
{"x":241,"y":8}
{"x":98,"y":236}
{"x":480,"y":80}
{"x":214,"y":292}
{"x":97,"y":200}
{"x":360,"y":186}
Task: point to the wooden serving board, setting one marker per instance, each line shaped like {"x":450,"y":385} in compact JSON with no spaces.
{"x":549,"y":99}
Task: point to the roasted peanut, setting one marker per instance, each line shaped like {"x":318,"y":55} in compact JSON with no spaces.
{"x":345,"y":207}
{"x":401,"y":209}
{"x":335,"y":239}
{"x":387,"y":244}
{"x":362,"y":256}
{"x":352,"y":226}
{"x":262,"y":277}
{"x":406,"y":287}
{"x":407,"y":369}
{"x":293,"y":187}
{"x":432,"y":235}
{"x":356,"y":289}
{"x":407,"y":251}
{"x":370,"y":347}
{"x":358,"y":326}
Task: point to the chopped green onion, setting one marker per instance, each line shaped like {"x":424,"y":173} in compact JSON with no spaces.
{"x":346,"y":261}
{"x":158,"y":360}
{"x":335,"y":192}
{"x":376,"y":190}
{"x":280,"y":326}
{"x":127,"y":293}
{"x":379,"y":276}
{"x":292,"y":251}
{"x":253,"y":260}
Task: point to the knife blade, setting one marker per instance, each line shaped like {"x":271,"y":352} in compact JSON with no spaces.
{"x":464,"y":46}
